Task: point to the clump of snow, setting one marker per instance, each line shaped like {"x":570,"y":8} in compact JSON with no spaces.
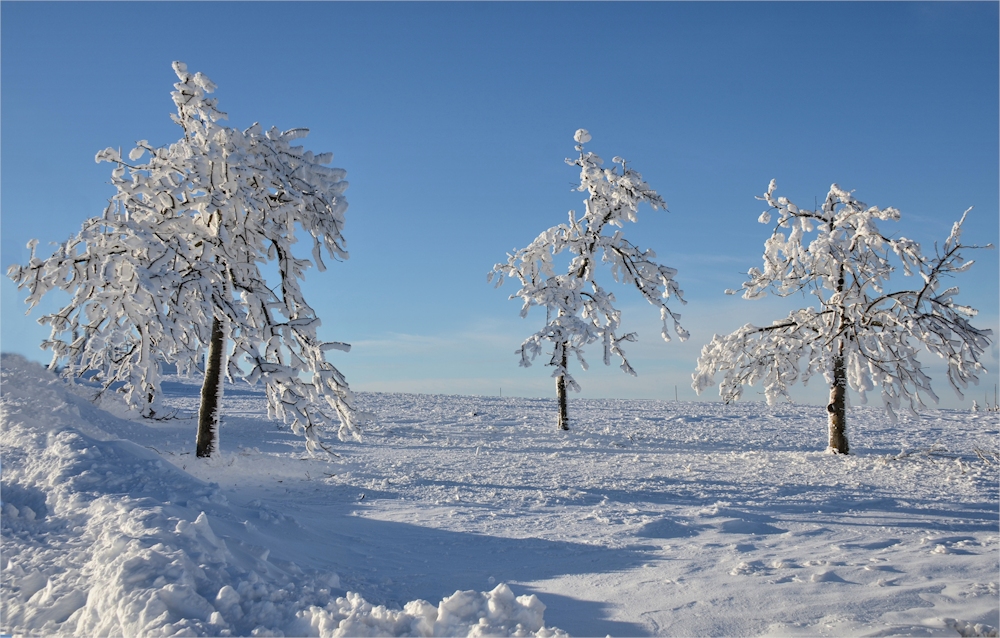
{"x":967,"y":629}
{"x":498,"y":612}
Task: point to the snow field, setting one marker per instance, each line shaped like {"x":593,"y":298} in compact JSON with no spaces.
{"x":648,"y":518}
{"x":102,"y":537}
{"x":706,"y":519}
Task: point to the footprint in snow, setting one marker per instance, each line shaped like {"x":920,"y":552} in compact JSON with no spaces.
{"x":882,"y":568}
{"x":826,"y":577}
{"x":667,"y":528}
{"x":750,"y":568}
{"x":742,"y":526}
{"x":883,"y":544}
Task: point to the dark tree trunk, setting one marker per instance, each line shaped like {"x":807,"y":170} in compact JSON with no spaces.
{"x":837,"y":409}
{"x":563,"y":422}
{"x":211,"y":393}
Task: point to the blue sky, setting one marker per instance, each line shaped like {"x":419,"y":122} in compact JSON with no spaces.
{"x":453,"y":120}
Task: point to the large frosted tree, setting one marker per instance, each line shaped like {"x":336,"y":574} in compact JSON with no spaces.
{"x":579,"y":311}
{"x":175,"y":267}
{"x":859,"y":332}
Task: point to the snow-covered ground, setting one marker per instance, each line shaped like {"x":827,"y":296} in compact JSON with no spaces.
{"x":648,"y":518}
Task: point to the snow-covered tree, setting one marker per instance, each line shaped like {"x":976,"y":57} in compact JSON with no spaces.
{"x":579,"y":311}
{"x":859,"y":333}
{"x":174,"y":267}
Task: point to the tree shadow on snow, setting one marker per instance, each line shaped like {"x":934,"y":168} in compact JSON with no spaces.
{"x":392,"y":563}
{"x":577,"y":617}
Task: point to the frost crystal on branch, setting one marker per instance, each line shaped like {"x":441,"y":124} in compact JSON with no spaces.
{"x":859,"y":333}
{"x":579,"y":311}
{"x":180,"y":247}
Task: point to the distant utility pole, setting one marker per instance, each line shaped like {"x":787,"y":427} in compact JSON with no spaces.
{"x":675,"y":394}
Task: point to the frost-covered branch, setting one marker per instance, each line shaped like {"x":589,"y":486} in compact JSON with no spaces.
{"x":181,"y":245}
{"x":579,"y":311}
{"x":858,"y":327}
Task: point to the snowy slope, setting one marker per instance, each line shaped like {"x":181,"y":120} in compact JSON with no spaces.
{"x":648,"y":518}
{"x":103,"y":537}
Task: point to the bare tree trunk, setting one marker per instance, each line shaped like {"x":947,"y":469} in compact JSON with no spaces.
{"x":563,"y":422}
{"x":837,"y":408}
{"x":211,"y":393}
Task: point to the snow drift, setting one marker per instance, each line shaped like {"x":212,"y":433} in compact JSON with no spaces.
{"x":103,"y":537}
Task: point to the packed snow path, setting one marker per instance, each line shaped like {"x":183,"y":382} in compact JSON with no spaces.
{"x":648,"y":518}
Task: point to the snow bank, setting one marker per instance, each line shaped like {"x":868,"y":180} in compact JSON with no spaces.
{"x":103,"y":537}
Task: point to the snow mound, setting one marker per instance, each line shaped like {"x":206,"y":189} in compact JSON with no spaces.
{"x":104,"y":537}
{"x":470,"y":613}
{"x":966,"y":629}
